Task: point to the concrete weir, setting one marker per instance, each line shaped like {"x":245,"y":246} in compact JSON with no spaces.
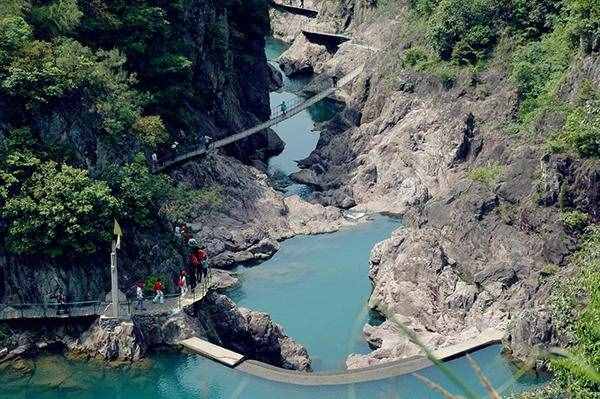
{"x":345,"y":377}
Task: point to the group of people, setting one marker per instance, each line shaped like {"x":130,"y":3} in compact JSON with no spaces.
{"x":194,"y":275}
{"x":206,"y":142}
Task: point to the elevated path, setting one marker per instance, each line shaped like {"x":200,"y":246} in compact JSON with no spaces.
{"x":374,"y":373}
{"x":90,"y":309}
{"x":325,"y":38}
{"x":296,"y":109}
{"x":304,"y":11}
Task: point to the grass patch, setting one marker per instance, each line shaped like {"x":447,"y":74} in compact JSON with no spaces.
{"x":487,"y":175}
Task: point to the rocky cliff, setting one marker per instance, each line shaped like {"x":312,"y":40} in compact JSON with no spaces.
{"x":475,"y":252}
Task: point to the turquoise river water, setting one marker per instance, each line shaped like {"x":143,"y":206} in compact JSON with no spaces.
{"x":315,"y":286}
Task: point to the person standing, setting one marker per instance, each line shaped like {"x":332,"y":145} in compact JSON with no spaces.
{"x":283,"y":107}
{"x":154,"y":161}
{"x":183,"y":283}
{"x":158,"y":289}
{"x":139,"y":295}
{"x":203,"y":255}
{"x":195,"y":263}
{"x":301,"y":3}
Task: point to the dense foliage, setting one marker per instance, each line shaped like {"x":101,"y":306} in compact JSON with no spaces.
{"x":126,"y":68}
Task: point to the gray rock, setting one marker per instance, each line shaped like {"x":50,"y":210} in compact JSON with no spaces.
{"x":252,"y":333}
{"x":306,"y":176}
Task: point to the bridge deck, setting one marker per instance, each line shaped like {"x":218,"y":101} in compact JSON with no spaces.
{"x":307,"y":12}
{"x":215,"y":352}
{"x":73,"y":310}
{"x":373,"y":373}
{"x":272,"y":122}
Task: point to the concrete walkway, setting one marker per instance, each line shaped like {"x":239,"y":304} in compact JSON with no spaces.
{"x":374,"y":373}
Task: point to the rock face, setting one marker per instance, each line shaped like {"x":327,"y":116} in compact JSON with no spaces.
{"x":252,"y":333}
{"x":474,"y":251}
{"x":112,"y":340}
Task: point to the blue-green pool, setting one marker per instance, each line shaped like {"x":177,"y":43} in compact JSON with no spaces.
{"x":317,"y":288}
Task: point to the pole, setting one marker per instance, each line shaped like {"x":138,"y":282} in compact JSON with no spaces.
{"x":114,"y":281}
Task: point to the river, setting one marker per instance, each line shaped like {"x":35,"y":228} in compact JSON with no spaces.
{"x":315,"y":286}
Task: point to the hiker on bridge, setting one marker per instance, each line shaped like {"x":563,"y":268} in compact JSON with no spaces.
{"x":182,"y":283}
{"x":158,"y":288}
{"x":208,"y":143}
{"x":203,"y":265}
{"x":61,"y":309}
{"x":139,"y":296}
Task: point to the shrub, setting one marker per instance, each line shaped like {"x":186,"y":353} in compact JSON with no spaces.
{"x":46,"y":71}
{"x":15,"y":33}
{"x":584,"y":23}
{"x":59,"y":17}
{"x":59,"y":210}
{"x":464,"y":30}
{"x":414,"y":57}
{"x":141,"y":192}
{"x":487,"y":175}
{"x":575,"y":220}
{"x":537,"y":69}
{"x":151,"y":130}
{"x":578,"y":374}
{"x":581,"y":133}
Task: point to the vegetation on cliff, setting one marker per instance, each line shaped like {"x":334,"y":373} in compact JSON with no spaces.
{"x":121,"y":70}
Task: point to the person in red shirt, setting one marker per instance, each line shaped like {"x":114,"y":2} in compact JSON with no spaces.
{"x":158,"y":288}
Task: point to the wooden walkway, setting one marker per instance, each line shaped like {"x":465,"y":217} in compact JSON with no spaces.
{"x":89,"y":309}
{"x":305,"y":11}
{"x":373,"y":373}
{"x":272,"y":122}
{"x":212,"y":351}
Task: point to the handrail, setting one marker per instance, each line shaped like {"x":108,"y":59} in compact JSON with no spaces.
{"x":304,"y":104}
{"x":46,"y":310}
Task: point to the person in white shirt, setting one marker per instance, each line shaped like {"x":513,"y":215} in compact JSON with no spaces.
{"x":139,"y":294}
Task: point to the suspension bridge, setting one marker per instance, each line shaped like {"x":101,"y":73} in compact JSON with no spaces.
{"x":282,"y":115}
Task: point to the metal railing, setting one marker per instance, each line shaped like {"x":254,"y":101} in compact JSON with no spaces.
{"x":66,"y":310}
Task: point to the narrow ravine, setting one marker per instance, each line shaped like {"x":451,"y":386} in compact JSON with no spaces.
{"x":299,"y":132}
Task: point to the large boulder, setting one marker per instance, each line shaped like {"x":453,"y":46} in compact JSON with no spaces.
{"x":252,"y":333}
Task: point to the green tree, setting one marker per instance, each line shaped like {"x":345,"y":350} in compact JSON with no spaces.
{"x":59,"y":210}
{"x":151,"y":130}
{"x":57,"y":18}
{"x":15,"y":33}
